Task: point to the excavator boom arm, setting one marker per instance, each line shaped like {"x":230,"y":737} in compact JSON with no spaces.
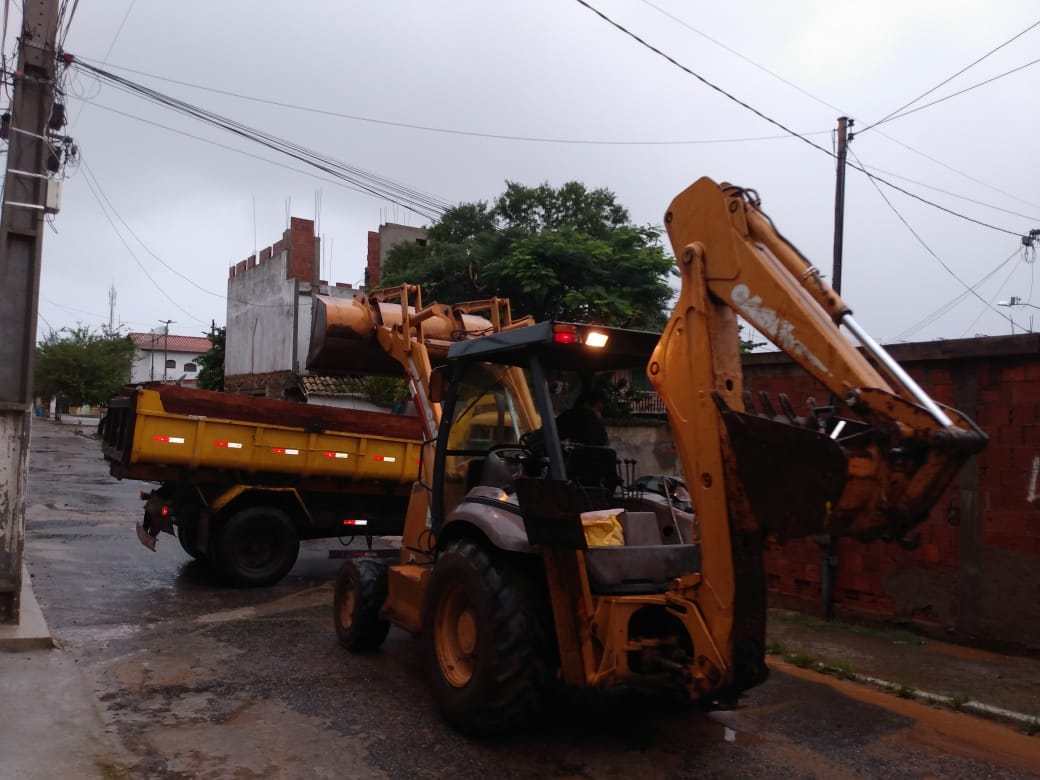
{"x":875,"y":474}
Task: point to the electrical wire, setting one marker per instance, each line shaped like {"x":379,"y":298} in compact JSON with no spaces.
{"x":898,"y":112}
{"x":952,"y":194}
{"x":776,"y":123}
{"x":119,"y":30}
{"x":424,"y":204}
{"x":989,"y":305}
{"x":453,"y":130}
{"x":68,"y":23}
{"x":943,"y":99}
{"x":827,"y":104}
{"x":950,"y":305}
{"x":920,"y":240}
{"x":162,"y":262}
{"x":91,"y":186}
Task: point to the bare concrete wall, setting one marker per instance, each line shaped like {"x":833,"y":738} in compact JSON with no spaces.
{"x":649,"y":442}
{"x":260,"y":318}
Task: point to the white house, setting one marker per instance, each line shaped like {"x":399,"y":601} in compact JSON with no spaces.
{"x":170,"y":358}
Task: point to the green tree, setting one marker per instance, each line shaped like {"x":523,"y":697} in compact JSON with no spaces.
{"x":565,"y":253}
{"x":84,"y":366}
{"x":211,"y":371}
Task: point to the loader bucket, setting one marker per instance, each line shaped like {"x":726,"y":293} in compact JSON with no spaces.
{"x":791,"y":476}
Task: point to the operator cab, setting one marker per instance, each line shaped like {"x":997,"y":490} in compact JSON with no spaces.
{"x":502,"y":465}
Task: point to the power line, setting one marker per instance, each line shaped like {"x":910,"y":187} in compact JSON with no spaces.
{"x":898,"y":112}
{"x":119,"y":30}
{"x":421,"y":203}
{"x":219,"y":145}
{"x":950,"y":168}
{"x":950,"y":305}
{"x":920,"y":240}
{"x":642,"y":42}
{"x":989,"y":305}
{"x":952,"y":95}
{"x":953,"y":194}
{"x":827,"y":104}
{"x":91,"y":186}
{"x":159,"y":259}
{"x":453,"y":130}
{"x":745,"y":58}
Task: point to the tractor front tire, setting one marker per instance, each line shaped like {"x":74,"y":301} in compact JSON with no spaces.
{"x":256,"y":547}
{"x":485,"y":641}
{"x":361,"y":589}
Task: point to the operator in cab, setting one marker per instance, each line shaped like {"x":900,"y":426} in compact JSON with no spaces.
{"x":583,"y":422}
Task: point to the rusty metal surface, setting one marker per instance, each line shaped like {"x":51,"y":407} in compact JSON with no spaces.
{"x":313,"y":417}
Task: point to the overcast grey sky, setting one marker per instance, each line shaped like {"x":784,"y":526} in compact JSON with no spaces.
{"x":550,"y":68}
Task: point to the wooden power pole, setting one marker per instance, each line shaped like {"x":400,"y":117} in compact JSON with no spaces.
{"x":844,"y":123}
{"x":21,"y":238}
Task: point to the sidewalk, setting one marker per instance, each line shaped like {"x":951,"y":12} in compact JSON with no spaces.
{"x":916,"y":666}
{"x":55,"y":729}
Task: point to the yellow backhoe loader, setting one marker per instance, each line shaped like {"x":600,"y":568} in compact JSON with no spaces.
{"x":498,"y":573}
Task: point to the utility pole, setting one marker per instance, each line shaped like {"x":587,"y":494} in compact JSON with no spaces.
{"x":21,"y":250}
{"x":112,"y":309}
{"x":829,"y":564}
{"x":844,"y":123}
{"x":165,"y":345}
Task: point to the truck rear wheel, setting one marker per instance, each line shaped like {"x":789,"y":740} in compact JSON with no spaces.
{"x":361,"y":590}
{"x":187,"y":535}
{"x":486,"y":643}
{"x":256,"y":547}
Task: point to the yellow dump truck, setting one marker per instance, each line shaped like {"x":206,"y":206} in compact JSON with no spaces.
{"x":243,"y":480}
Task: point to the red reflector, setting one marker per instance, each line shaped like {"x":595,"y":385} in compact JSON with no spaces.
{"x":355,"y":522}
{"x":565,"y":337}
{"x":164,"y":511}
{"x":161,"y":438}
{"x":278,"y":450}
{"x":220,"y":443}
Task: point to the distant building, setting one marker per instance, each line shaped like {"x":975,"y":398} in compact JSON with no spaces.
{"x":269,"y":316}
{"x":381,"y":241}
{"x":167,"y":358}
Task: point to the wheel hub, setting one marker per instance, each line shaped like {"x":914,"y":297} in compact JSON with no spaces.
{"x":455,"y":637}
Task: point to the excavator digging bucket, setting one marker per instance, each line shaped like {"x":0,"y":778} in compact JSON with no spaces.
{"x":791,"y":476}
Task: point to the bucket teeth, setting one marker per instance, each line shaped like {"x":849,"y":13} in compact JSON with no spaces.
{"x":767,"y":405}
{"x":785,"y":404}
{"x":749,"y":403}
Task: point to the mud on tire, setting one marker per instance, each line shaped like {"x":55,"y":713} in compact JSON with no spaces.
{"x":485,"y":640}
{"x":361,"y":590}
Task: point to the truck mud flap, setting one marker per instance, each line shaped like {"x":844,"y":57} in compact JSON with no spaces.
{"x":144,"y":535}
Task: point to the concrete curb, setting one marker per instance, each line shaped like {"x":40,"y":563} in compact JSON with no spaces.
{"x":981,"y":709}
{"x":31,"y":633}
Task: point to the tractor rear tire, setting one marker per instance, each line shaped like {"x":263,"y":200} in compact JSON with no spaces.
{"x":361,"y":589}
{"x":256,"y":547}
{"x":485,"y":641}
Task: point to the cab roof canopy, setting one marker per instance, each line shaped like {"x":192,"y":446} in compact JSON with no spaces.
{"x":562,"y":346}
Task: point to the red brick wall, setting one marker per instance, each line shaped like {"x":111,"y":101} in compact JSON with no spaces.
{"x":301,"y":251}
{"x":976,"y":569}
{"x":373,"y":269}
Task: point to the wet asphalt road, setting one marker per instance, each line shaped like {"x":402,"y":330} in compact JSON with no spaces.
{"x":193,"y":680}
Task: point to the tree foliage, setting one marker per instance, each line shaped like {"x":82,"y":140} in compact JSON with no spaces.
{"x":82,"y":365}
{"x":565,"y":253}
{"x":211,"y":371}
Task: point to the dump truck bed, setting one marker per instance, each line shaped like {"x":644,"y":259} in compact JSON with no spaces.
{"x":164,"y":432}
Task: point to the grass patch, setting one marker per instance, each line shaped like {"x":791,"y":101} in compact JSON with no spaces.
{"x":775,"y":648}
{"x":801,"y":660}
{"x":957,"y":702}
{"x":1032,"y":728}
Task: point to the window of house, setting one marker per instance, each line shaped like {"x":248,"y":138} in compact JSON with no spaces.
{"x":171,"y":364}
{"x":421,"y":241}
{"x":190,"y":368}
